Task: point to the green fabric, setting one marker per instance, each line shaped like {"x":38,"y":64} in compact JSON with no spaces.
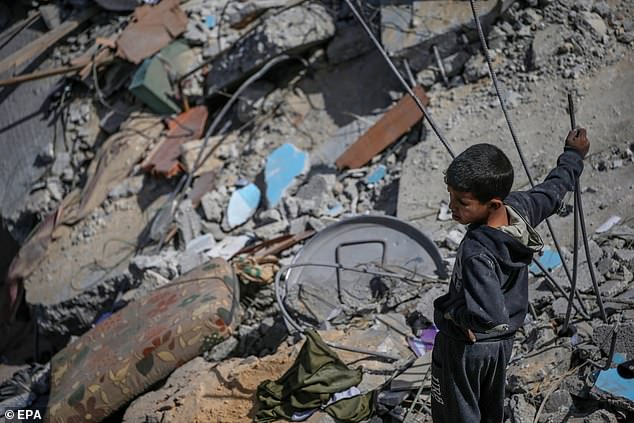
{"x":316,"y":374}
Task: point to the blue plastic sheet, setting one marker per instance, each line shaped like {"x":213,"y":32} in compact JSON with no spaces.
{"x":550,"y":260}
{"x":376,"y":175}
{"x":611,"y":382}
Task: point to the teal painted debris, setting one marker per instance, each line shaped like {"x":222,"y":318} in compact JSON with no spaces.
{"x":376,"y":175}
{"x":243,"y":203}
{"x":283,"y":165}
{"x":151,"y":83}
{"x":550,"y":259}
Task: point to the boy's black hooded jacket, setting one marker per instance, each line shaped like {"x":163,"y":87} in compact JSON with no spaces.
{"x":488,"y":292}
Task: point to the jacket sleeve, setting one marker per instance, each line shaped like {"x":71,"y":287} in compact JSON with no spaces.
{"x":546,"y":198}
{"x":483,"y":309}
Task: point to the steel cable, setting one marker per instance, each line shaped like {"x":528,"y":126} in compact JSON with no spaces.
{"x":494,"y":79}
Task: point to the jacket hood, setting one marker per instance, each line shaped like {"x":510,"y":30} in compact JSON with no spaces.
{"x":513,"y":245}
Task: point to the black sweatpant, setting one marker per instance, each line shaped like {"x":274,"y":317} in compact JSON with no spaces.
{"x":468,"y":380}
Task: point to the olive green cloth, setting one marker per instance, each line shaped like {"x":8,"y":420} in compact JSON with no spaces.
{"x":316,"y":374}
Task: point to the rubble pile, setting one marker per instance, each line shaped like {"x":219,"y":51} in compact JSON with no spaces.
{"x":147,"y":143}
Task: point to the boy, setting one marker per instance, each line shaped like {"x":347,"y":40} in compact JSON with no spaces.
{"x":488,"y":294}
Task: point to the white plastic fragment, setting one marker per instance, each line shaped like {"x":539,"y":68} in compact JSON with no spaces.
{"x":607,"y":225}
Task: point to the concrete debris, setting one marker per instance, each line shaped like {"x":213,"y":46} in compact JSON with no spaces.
{"x":188,"y":222}
{"x":395,"y":123}
{"x":437,"y":24}
{"x":294,"y":29}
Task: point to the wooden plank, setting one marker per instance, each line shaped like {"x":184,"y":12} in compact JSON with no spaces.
{"x":43,"y":43}
{"x":394,"y":124}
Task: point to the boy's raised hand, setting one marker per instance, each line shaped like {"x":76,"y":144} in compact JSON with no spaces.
{"x":578,"y":140}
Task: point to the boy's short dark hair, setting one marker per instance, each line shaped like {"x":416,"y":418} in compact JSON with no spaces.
{"x":483,"y":170}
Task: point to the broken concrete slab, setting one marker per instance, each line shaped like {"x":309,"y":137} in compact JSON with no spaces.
{"x":350,"y":41}
{"x":283,"y":165}
{"x":390,"y":127}
{"x":410,"y":31}
{"x":85,"y":266}
{"x":293,"y":30}
{"x":328,"y":152}
{"x":418,"y":374}
{"x":152,"y":28}
{"x":228,"y":247}
{"x":243,"y":203}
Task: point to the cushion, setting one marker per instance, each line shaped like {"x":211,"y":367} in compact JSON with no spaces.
{"x":143,"y":343}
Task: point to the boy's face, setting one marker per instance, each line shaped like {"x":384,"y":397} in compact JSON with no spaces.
{"x":467,"y":209}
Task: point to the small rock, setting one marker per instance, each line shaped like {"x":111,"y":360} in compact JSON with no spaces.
{"x":521,"y":410}
{"x":531,"y":17}
{"x":426,"y":77}
{"x":128,"y":187}
{"x":626,"y":256}
{"x":316,"y":224}
{"x":211,"y":203}
{"x":626,"y":37}
{"x":298,"y":225}
{"x":190,"y":260}
{"x":475,"y":68}
{"x":188,"y":221}
{"x":271,"y":230}
{"x":454,"y":238}
{"x":54,"y":186}
{"x":559,"y":307}
{"x":222,"y":350}
{"x":62,"y":162}
{"x":557,"y":400}
{"x":164,"y":264}
{"x":582,"y":5}
{"x":602,"y":8}
{"x":591,"y":21}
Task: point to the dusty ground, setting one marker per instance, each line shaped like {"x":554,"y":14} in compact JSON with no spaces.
{"x":604,"y":106}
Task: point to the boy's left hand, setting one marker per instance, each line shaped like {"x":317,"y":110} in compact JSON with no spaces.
{"x":471,"y":336}
{"x":578,"y":140}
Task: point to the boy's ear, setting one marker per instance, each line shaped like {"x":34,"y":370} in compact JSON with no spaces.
{"x":495,"y":203}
